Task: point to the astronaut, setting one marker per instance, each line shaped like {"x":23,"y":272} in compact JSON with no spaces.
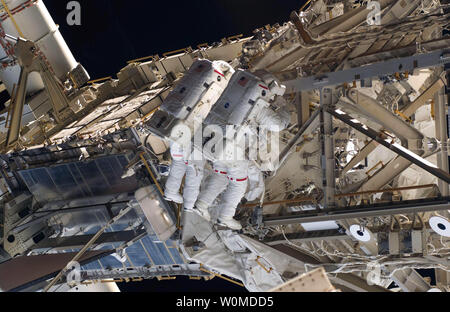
{"x":231,"y":177}
{"x":187,"y":105}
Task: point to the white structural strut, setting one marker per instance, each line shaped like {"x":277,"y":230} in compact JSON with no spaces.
{"x":442,"y":136}
{"x":371,"y":108}
{"x":30,"y":19}
{"x":407,"y":112}
{"x":410,"y":137}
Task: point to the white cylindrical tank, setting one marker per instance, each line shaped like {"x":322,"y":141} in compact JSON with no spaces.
{"x":36,"y":24}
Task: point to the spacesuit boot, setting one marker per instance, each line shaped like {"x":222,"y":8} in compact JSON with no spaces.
{"x":202,"y":211}
{"x":230,"y":223}
{"x":173,"y":197}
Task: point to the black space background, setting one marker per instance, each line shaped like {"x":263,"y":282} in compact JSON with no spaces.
{"x":115,"y":31}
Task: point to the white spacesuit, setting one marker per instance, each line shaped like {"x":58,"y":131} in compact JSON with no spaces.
{"x":189,"y":103}
{"x":235,"y":180}
{"x":231,"y":176}
{"x":183,"y":166}
{"x":256,"y":184}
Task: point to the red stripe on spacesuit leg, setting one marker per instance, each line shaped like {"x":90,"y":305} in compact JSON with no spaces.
{"x":238,"y":180}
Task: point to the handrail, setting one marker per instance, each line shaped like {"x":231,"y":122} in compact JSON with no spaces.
{"x":305,"y":5}
{"x":287,"y":201}
{"x":99,"y":80}
{"x":401,"y":114}
{"x":261,"y":265}
{"x":152,"y":57}
{"x":195,"y":278}
{"x":186,"y":50}
{"x":167,"y":278}
{"x":235,"y":37}
{"x":150,"y":113}
{"x":12,"y":19}
{"x":141,"y":155}
{"x":398,"y":189}
{"x":375,"y":167}
{"x":220,"y":276}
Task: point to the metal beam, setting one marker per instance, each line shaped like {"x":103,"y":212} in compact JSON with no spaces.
{"x":398,"y":149}
{"x":442,"y":137}
{"x":51,"y":213}
{"x":299,"y":134}
{"x":410,"y":281}
{"x":387,"y":67}
{"x":363,"y":153}
{"x":327,"y":147}
{"x":146,"y":273}
{"x":298,"y":105}
{"x":23,"y":273}
{"x":407,"y":112}
{"x":81,"y":240}
{"x":404,"y":207}
{"x":349,"y":281}
{"x":355,"y":283}
{"x":16,"y":109}
{"x":411,"y":108}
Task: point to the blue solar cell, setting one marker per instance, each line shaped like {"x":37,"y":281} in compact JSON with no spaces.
{"x":154,"y":252}
{"x":154,"y":238}
{"x":64,"y":181}
{"x":91,"y":266}
{"x":91,"y":173}
{"x":41,"y":184}
{"x":110,"y":262}
{"x":68,"y":181}
{"x":176,"y":256}
{"x":127,"y":264}
{"x":27,"y":179}
{"x":137,"y":255}
{"x":122,"y":160}
{"x":164,"y":252}
{"x":170,"y":243}
{"x":93,"y":230}
{"x":107,"y":167}
{"x":79,"y":179}
{"x":118,"y":227}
